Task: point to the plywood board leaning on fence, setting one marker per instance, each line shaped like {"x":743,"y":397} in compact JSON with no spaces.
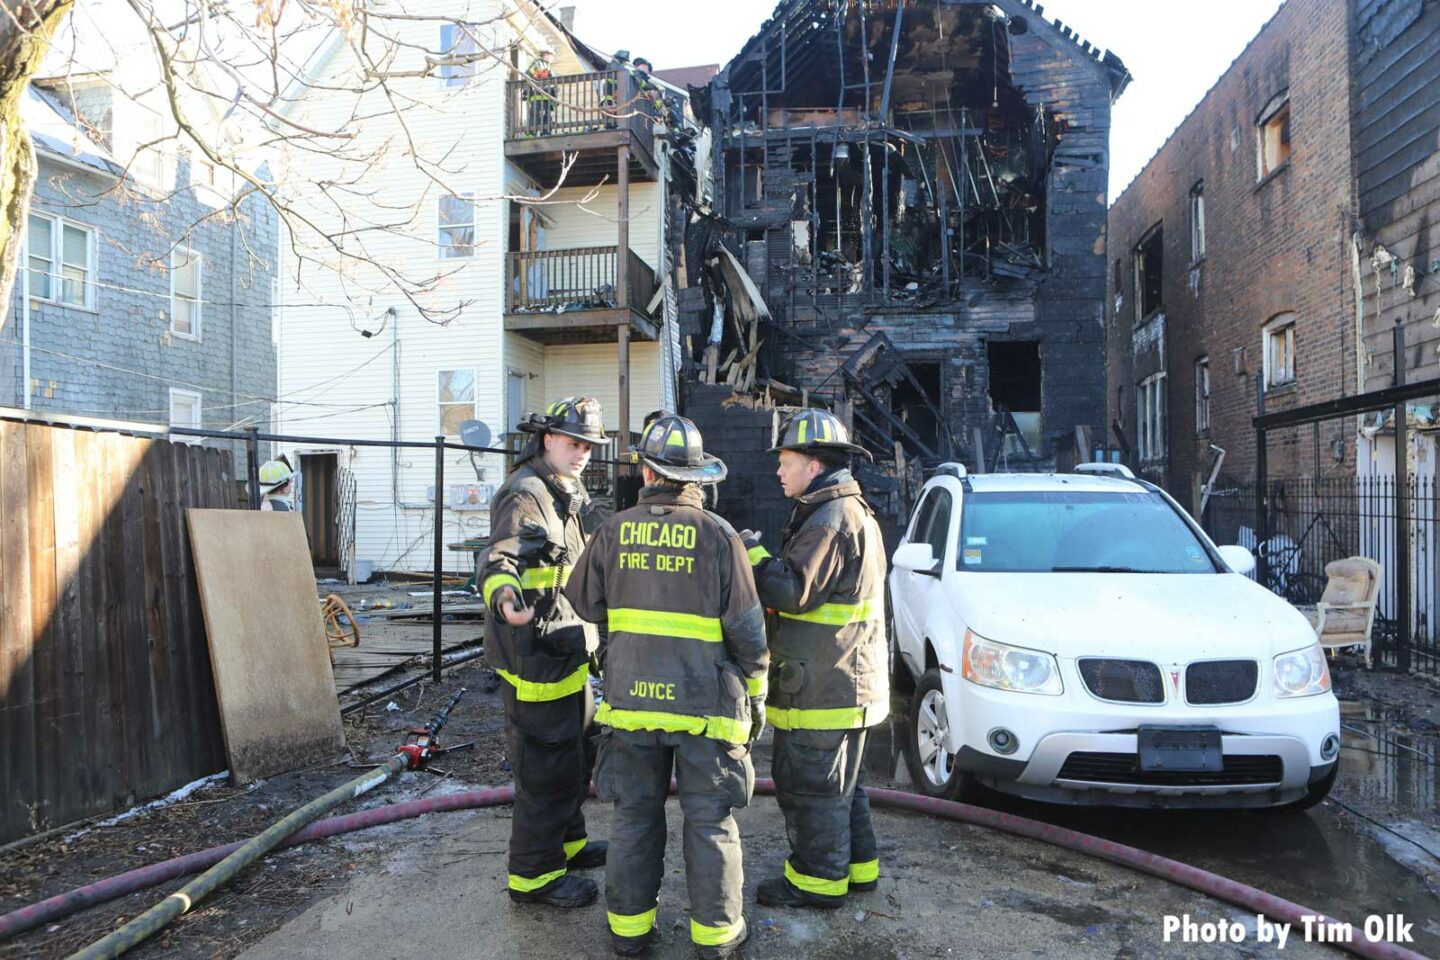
{"x":267,"y":640}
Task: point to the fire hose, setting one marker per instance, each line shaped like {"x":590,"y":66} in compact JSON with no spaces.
{"x":419,"y":747}
{"x":1203,"y":881}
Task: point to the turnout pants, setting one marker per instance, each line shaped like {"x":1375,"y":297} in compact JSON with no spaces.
{"x":551,"y":755}
{"x":818,"y":783}
{"x":713,"y":778}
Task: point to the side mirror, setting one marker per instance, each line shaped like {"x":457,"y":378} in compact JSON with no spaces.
{"x":1238,"y":559}
{"x":917,"y":558}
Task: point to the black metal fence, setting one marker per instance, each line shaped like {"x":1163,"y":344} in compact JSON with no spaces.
{"x":1312,"y":522}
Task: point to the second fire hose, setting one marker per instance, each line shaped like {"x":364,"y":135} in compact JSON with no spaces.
{"x":419,"y":747}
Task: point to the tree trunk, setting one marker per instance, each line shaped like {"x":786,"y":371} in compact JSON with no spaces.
{"x":26,"y":29}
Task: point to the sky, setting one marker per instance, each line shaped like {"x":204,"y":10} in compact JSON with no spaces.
{"x":1175,"y":51}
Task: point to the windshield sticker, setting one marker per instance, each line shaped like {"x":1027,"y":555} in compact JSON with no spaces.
{"x":972,"y":556}
{"x":977,"y":541}
{"x":1195,"y":555}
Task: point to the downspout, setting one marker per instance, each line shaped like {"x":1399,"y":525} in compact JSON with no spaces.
{"x":395,"y":407}
{"x":234,"y":332}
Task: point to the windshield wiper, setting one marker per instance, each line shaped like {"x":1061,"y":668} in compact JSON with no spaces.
{"x":1101,"y":570}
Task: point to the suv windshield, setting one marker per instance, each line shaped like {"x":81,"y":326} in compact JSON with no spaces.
{"x":1035,"y":531}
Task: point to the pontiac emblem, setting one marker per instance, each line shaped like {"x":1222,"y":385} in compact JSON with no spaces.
{"x":1175,"y":680}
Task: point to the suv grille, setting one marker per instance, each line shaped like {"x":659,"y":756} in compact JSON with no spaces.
{"x":1221,"y":681}
{"x":1237,"y":770}
{"x":1124,"y":681}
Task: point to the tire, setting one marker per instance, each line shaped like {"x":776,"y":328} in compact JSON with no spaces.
{"x":1318,"y":791}
{"x":935,"y":772}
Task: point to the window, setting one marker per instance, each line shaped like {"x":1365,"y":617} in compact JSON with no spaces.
{"x":458,"y":41}
{"x":1197,"y":222}
{"x":149,"y":163}
{"x":457,"y":226}
{"x":1272,"y":135}
{"x":185,"y":269}
{"x":62,"y":261}
{"x":1042,"y":531}
{"x":1150,"y":403}
{"x":456,"y":400}
{"x":1202,"y":395}
{"x":1279,"y":350}
{"x":185,"y":410}
{"x":938,"y":534}
{"x":1149,"y":255}
{"x":922,"y":517}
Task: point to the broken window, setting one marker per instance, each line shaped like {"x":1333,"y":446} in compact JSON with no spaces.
{"x":1015,"y":386}
{"x":1202,"y":395}
{"x":1149,"y":258}
{"x":1279,"y":350}
{"x":1197,"y":222}
{"x":1272,"y":133}
{"x":1150,"y":404}
{"x":917,"y":400}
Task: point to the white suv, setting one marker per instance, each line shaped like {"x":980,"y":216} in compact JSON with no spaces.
{"x":1077,"y":638}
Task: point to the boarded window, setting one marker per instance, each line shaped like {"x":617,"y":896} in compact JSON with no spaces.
{"x":1279,"y":350}
{"x":1202,"y":395}
{"x":1197,"y":222}
{"x":1150,"y":404}
{"x":1272,"y":132}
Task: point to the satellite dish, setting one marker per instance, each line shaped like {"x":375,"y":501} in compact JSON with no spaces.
{"x":474,"y":433}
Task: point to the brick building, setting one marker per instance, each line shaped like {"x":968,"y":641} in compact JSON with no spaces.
{"x":1244,"y":258}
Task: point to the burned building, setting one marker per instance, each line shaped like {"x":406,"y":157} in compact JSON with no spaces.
{"x":915,"y":194}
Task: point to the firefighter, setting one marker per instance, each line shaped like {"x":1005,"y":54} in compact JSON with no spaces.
{"x":829,"y":675}
{"x":684,"y":665}
{"x":277,"y":485}
{"x":542,"y":650}
{"x":540,"y":94}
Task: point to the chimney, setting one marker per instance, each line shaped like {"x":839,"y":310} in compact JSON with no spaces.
{"x":567,"y":18}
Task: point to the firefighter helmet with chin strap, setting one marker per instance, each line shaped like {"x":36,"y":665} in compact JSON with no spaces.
{"x":579,"y":418}
{"x":673,"y":448}
{"x":818,"y":431}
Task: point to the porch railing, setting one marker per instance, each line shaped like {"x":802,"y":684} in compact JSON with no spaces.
{"x":578,"y":104}
{"x":562,"y":281}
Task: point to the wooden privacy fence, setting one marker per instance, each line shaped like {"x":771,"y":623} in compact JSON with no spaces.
{"x":106,"y":694}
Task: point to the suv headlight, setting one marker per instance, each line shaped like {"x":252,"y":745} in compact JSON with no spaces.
{"x":1302,"y":673}
{"x":1000,"y":665}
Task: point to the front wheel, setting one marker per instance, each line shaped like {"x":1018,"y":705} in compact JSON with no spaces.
{"x":931,"y":764}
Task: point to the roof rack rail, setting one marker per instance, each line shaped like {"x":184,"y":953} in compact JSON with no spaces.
{"x":956,"y":470}
{"x":1105,"y":470}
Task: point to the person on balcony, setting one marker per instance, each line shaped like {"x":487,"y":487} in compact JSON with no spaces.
{"x":540,"y":95}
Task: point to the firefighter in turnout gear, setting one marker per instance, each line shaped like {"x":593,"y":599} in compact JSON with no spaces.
{"x":829,"y":677}
{"x":542,"y":650}
{"x":685,"y":667}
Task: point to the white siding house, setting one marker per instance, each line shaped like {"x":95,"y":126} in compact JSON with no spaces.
{"x":410,"y":377}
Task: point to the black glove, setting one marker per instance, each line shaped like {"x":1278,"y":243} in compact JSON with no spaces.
{"x":757,"y":718}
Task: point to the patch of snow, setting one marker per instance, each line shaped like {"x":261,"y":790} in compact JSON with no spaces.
{"x":173,"y":797}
